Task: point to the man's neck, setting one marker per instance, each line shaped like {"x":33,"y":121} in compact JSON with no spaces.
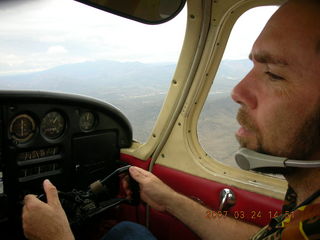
{"x":304,"y":182}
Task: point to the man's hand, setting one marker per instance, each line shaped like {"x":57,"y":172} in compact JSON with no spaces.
{"x":162,"y":197}
{"x":152,"y":190}
{"x":45,"y":221}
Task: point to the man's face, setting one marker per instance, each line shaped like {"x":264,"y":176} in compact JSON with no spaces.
{"x":280,"y":96}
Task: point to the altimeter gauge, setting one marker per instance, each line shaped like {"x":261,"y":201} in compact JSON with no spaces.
{"x":52,"y":125}
{"x":22,"y":128}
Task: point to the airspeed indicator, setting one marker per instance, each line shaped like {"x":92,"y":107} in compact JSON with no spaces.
{"x":52,"y":125}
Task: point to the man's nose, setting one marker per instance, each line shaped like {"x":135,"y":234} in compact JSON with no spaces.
{"x":244,"y":93}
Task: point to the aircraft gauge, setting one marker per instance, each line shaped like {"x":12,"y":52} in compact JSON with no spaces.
{"x":22,"y":128}
{"x":52,"y":125}
{"x":87,"y":121}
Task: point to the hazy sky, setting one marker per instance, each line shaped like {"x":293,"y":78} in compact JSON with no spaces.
{"x":39,"y":34}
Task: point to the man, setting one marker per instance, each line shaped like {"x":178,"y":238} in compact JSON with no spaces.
{"x":279,"y":115}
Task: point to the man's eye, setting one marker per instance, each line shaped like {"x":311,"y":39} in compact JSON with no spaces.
{"x":274,"y":76}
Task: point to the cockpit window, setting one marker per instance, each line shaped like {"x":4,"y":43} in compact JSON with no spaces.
{"x":217,"y":124}
{"x":66,"y":46}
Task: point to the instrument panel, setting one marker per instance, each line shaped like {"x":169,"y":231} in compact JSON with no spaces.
{"x":23,"y":127}
{"x":70,"y":139}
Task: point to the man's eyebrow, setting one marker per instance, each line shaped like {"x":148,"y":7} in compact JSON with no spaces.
{"x":264,"y":57}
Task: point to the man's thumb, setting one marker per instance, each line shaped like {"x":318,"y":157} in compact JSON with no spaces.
{"x":138,"y":174}
{"x":51,"y":193}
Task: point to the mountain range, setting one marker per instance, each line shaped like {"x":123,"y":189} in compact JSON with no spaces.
{"x":138,"y":90}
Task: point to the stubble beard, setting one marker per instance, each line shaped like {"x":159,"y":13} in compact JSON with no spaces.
{"x":302,"y":145}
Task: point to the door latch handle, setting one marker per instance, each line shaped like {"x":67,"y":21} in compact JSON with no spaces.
{"x":227,"y":199}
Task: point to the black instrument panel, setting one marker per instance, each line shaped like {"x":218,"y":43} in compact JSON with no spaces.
{"x":70,"y":139}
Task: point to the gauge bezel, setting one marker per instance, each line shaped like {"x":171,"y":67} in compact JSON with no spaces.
{"x":94,"y":124}
{"x":22,"y":140}
{"x":61,"y":133}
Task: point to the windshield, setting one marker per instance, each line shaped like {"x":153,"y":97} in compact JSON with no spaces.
{"x":66,"y":46}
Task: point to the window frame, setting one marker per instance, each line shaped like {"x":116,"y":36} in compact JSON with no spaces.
{"x":183,"y":138}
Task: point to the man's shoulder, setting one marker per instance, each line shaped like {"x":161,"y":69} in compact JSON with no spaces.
{"x":302,"y":223}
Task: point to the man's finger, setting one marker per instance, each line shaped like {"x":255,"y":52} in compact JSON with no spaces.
{"x":29,"y":200}
{"x":29,"y":197}
{"x":138,"y":174}
{"x":51,"y":193}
